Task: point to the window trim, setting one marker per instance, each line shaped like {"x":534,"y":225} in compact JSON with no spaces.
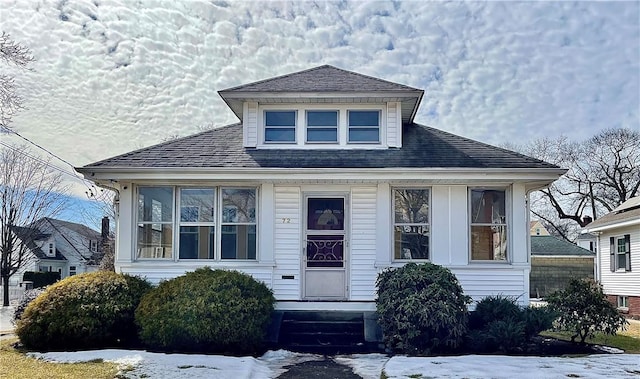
{"x":614,"y":253}
{"x":394,"y":223}
{"x":307,"y":127}
{"x":379,"y":127}
{"x":294,"y":127}
{"x":506,"y":224}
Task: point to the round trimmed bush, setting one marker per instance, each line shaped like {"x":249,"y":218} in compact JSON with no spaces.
{"x":206,"y":311}
{"x":422,"y":309}
{"x":90,"y":310}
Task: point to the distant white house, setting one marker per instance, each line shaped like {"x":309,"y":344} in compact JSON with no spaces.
{"x":618,"y":255}
{"x":58,"y":246}
{"x":325,"y":182}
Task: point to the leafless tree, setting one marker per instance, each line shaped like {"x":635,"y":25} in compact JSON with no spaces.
{"x":11,"y":102}
{"x":604,"y":172}
{"x":29,"y":190}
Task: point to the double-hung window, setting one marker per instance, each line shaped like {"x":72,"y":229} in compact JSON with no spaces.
{"x":197,"y":223}
{"x":411,"y":223}
{"x":238,"y":223}
{"x":155,"y":222}
{"x":488,"y":224}
{"x":322,"y":126}
{"x":364,"y":126}
{"x":280,"y":126}
{"x":620,"y":251}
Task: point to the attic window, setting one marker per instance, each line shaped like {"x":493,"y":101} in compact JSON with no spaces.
{"x":280,"y":126}
{"x":364,"y":126}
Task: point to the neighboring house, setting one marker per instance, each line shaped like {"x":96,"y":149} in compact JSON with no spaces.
{"x":588,"y":241}
{"x":618,"y":255}
{"x":554,"y":262}
{"x":58,"y":246}
{"x":537,"y":229}
{"x":325,"y":182}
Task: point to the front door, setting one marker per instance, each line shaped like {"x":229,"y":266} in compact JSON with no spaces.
{"x":325,"y":248}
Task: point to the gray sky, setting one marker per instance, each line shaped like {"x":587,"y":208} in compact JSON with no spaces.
{"x":113,"y":76}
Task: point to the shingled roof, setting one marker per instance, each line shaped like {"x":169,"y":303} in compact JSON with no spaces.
{"x":423,"y":147}
{"x":324,"y":84}
{"x":29,"y":236}
{"x":550,"y":245}
{"x":627,"y":211}
{"x":322,"y":79}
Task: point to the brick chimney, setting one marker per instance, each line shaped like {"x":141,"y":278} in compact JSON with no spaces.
{"x":105,"y":231}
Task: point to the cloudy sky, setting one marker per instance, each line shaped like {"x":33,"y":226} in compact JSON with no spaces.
{"x":112,"y":76}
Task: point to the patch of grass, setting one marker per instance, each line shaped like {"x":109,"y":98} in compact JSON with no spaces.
{"x":632,"y":330}
{"x":22,"y":366}
{"x":629,"y":344}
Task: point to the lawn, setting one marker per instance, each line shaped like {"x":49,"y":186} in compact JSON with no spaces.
{"x":22,"y":366}
{"x":627,"y":340}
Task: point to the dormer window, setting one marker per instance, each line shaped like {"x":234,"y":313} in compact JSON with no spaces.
{"x":52,"y":250}
{"x":322,"y":126}
{"x":280,"y":126}
{"x":364,"y":126}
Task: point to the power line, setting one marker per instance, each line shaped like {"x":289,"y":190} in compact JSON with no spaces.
{"x":51,"y":166}
{"x":9,"y":130}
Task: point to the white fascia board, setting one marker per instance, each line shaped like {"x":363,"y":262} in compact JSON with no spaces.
{"x":322,"y":95}
{"x":619,"y":224}
{"x":537,"y":177}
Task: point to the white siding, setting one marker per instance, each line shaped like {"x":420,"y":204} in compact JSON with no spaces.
{"x":250,"y":124}
{"x":394,"y":125}
{"x":288,"y":247}
{"x":480,"y":282}
{"x":363,"y":243}
{"x":158,"y":271}
{"x":620,"y":282}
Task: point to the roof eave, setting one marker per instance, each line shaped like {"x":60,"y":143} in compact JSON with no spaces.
{"x":535,"y":177}
{"x":611,"y":225}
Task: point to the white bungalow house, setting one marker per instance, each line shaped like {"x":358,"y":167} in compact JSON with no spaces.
{"x":618,"y":255}
{"x":324,"y":182}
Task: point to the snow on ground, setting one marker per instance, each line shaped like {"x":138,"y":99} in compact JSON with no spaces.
{"x":142,"y":364}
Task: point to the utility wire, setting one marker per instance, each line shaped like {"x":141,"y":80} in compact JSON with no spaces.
{"x":90,"y":193}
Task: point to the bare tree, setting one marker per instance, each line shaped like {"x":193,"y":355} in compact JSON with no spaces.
{"x":29,"y":190}
{"x":603,"y":172}
{"x":15,"y":54}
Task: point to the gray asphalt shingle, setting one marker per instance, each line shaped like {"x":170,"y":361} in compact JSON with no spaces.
{"x":423,"y":147}
{"x":550,"y":245}
{"x":321,"y":79}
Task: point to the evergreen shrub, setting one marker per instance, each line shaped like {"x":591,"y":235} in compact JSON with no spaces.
{"x":85,"y":311}
{"x":499,"y":324}
{"x":584,"y":310}
{"x":214,"y":311}
{"x":422,"y":309}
